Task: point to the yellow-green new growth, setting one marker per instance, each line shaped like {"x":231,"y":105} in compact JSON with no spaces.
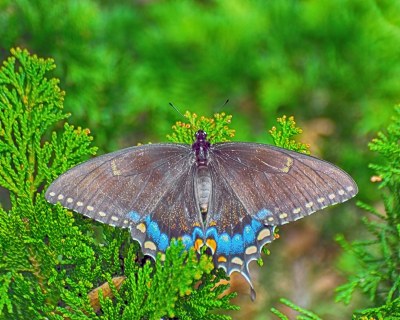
{"x":283,"y":137}
{"x":217,"y":128}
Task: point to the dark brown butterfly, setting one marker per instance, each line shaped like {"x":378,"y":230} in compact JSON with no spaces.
{"x":227,"y":196}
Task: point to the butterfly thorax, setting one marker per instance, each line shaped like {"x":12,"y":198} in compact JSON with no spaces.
{"x":203,"y":182}
{"x":200,"y":148}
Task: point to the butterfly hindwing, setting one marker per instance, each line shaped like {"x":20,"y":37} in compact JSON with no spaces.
{"x":175,"y":214}
{"x":237,"y":237}
{"x":147,"y":188}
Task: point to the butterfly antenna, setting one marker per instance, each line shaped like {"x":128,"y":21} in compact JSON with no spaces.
{"x":176,"y":109}
{"x":220,"y":108}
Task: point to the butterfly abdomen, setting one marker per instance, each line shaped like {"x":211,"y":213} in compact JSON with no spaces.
{"x":203,"y":185}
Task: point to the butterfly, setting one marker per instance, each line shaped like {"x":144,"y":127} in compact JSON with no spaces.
{"x":227,"y":196}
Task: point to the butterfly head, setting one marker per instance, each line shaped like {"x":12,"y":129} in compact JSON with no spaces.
{"x":201,"y":135}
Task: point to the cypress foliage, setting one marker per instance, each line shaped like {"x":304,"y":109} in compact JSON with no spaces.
{"x":377,"y":260}
{"x":57,"y":264}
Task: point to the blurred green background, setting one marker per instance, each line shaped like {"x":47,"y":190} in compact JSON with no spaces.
{"x":332,"y":64}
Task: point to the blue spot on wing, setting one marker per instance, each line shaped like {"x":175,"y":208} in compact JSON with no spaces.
{"x":163,"y":242}
{"x":263,"y":214}
{"x":153,"y":231}
{"x":187,"y":241}
{"x":212,"y":232}
{"x":134,"y":216}
{"x":224,"y":244}
{"x":256,"y":225}
{"x":197,"y":233}
{"x":249,"y":235}
{"x":237,"y":244}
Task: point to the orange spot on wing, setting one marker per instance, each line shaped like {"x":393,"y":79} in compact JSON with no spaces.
{"x":222,"y":259}
{"x":198,"y":244}
{"x":211,"y":244}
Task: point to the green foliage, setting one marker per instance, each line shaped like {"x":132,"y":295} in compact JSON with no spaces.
{"x":37,"y":244}
{"x":167,"y":289}
{"x":216,"y":128}
{"x":303,"y":313}
{"x":377,"y":261}
{"x":123,"y":60}
{"x":283,"y":137}
{"x":387,"y":145}
{"x":50,"y":257}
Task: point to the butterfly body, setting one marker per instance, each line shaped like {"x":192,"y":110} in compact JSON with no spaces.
{"x":203,"y":178}
{"x":228,"y":196}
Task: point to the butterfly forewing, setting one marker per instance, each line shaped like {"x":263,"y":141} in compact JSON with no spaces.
{"x":148,"y":189}
{"x":276,"y":185}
